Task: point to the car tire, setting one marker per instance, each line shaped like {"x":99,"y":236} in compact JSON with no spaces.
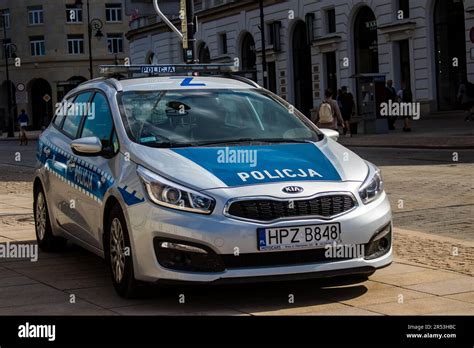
{"x":45,"y":238}
{"x":119,"y":260}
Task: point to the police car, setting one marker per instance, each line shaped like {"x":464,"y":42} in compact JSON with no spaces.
{"x":191,"y":174}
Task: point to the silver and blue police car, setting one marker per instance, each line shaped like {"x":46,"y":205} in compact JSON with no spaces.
{"x":205,"y":179}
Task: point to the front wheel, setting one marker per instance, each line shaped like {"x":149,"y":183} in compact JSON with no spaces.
{"x":119,"y":254}
{"x":44,"y":234}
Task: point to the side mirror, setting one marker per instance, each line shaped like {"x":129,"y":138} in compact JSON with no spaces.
{"x":90,"y":146}
{"x":330,"y":133}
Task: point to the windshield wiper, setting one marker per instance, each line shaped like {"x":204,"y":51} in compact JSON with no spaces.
{"x":168,"y":145}
{"x":253,"y":140}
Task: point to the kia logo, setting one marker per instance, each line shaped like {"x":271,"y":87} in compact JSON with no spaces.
{"x":292,"y":189}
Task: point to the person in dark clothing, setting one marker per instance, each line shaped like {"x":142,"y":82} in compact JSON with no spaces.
{"x":347,"y":109}
{"x":405,"y":96}
{"x":339,"y":98}
{"x":391,"y":94}
{"x":465,"y":99}
{"x":23,"y":122}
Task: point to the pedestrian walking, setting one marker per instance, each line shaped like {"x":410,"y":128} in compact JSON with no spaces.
{"x":339,"y":98}
{"x":391,"y":95}
{"x":347,"y":110}
{"x":329,"y":114}
{"x":405,"y":96}
{"x":465,"y":100}
{"x":23,"y":122}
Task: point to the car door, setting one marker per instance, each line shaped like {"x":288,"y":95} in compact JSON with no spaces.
{"x":92,"y":173}
{"x":53,"y":155}
{"x":66,"y":190}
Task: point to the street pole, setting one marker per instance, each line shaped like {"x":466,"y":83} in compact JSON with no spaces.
{"x":264,"y":55}
{"x":89,"y":34}
{"x":187,"y":30}
{"x":11,"y":125}
{"x":191,"y":31}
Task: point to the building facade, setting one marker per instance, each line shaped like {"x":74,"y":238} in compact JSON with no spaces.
{"x":50,"y":38}
{"x":311,"y":45}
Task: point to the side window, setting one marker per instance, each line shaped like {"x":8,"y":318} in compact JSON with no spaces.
{"x":62,"y":111}
{"x":75,"y":114}
{"x":100,"y":123}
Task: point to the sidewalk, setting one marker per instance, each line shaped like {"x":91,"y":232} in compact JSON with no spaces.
{"x":436,"y":131}
{"x":404,"y":288}
{"x":412,"y":285}
{"x":32,"y":135}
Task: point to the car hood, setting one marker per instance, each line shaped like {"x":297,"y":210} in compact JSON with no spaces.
{"x":204,"y":168}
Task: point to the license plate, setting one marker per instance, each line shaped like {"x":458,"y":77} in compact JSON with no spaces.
{"x":298,"y":237}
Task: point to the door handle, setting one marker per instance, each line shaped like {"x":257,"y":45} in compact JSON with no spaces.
{"x":71,"y":165}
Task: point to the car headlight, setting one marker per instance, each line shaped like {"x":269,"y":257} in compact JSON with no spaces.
{"x":172,"y":195}
{"x":372,"y":187}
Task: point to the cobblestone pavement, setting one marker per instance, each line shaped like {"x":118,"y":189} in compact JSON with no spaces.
{"x":433,"y":199}
{"x":432,"y":272}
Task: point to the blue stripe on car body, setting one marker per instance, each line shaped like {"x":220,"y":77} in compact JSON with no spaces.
{"x":271,"y":163}
{"x":56,"y":162}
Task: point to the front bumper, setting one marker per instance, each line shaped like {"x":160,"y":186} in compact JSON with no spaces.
{"x":226,"y":236}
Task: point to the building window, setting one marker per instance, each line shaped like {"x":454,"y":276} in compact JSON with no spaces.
{"x":113,"y":12}
{"x":272,"y":81}
{"x":331,"y":21}
{"x":37,"y":46}
{"x":8,"y":49}
{"x":35,"y":15}
{"x":404,"y":7}
{"x":198,"y":5}
{"x":73,"y":14}
{"x":115,"y":43}
{"x":223,"y":43}
{"x":75,"y":44}
{"x":6,"y":18}
{"x":310,"y":21}
{"x":274,"y":35}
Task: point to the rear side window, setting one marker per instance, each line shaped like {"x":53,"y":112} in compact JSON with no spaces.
{"x":100,"y":124}
{"x":62,"y":111}
{"x":76,"y":112}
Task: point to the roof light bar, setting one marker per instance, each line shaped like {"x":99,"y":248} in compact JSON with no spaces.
{"x":166,"y":69}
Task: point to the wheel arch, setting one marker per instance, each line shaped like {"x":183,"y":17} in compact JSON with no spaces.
{"x":109,"y":204}
{"x":36,"y":185}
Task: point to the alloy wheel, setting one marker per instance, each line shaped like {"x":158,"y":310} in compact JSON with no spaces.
{"x":117,"y":254}
{"x":40,"y":216}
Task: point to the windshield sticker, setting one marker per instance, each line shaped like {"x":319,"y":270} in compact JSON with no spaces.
{"x":147,"y":140}
{"x":277,"y":163}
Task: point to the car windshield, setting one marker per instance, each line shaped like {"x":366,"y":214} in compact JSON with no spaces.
{"x":211,"y":117}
